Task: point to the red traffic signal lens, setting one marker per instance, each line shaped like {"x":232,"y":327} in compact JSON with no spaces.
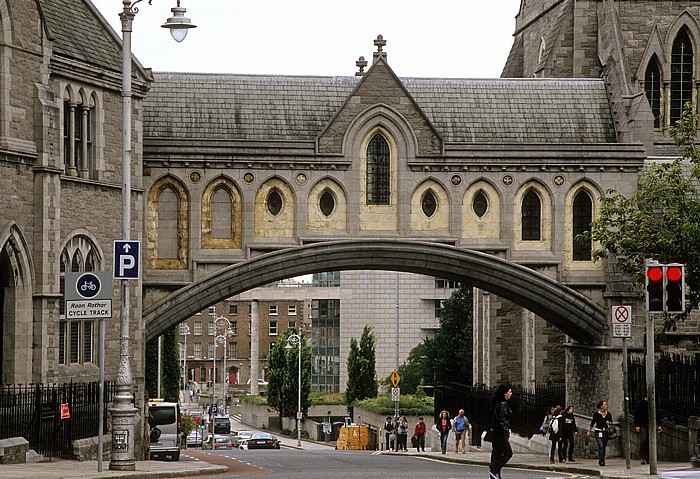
{"x":674,"y":273}
{"x":655,"y":274}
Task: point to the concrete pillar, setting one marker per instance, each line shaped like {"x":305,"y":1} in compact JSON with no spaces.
{"x":528,"y":351}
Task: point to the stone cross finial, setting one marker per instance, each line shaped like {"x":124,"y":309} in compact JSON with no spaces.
{"x":361,"y":64}
{"x":380,"y":43}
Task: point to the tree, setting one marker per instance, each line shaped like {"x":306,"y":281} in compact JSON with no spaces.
{"x":414,"y":371}
{"x":170,"y":366}
{"x":660,"y":219}
{"x":448,"y":354}
{"x":283,"y":374}
{"x":362,"y":368}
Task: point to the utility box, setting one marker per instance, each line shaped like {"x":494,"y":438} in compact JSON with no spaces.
{"x":353,"y":437}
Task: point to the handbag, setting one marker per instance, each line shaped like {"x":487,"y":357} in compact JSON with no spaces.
{"x":613,"y":432}
{"x":488,"y":436}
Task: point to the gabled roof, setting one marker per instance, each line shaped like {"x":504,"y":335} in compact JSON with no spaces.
{"x":79,"y":32}
{"x":289,"y":108}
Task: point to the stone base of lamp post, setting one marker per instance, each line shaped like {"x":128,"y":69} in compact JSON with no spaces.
{"x":123,"y":430}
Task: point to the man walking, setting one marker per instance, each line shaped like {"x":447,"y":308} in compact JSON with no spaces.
{"x":419,"y":433}
{"x":641,"y":425}
{"x":461,"y":427}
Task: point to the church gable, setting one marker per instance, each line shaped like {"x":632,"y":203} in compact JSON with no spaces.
{"x":380,"y":87}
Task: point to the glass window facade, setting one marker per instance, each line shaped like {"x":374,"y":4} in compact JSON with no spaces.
{"x":325,"y":330}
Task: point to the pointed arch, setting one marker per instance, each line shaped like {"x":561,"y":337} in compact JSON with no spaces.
{"x":582,"y":206}
{"x":487,"y":224}
{"x":275,"y":220}
{"x":532,"y":219}
{"x":422,"y":199}
{"x":16,"y":313}
{"x":222,"y":215}
{"x":681,"y":43}
{"x":174,"y":236}
{"x":316,"y":217}
{"x":652,"y":88}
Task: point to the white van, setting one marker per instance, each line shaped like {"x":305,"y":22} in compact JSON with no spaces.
{"x":165,"y":431}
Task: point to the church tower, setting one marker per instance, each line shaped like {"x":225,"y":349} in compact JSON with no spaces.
{"x":646,"y":50}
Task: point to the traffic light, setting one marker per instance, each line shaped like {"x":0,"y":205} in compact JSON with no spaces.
{"x":675,"y":288}
{"x":654,"y":282}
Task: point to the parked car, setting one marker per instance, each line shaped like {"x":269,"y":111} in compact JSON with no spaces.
{"x":218,"y":441}
{"x":241,"y":436}
{"x":681,"y":474}
{"x":260,"y":440}
{"x":165,"y":429}
{"x":195,"y":438}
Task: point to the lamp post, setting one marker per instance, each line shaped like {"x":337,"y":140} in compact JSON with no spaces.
{"x":295,"y":339}
{"x":124,"y":413}
{"x":223,"y":338}
{"x":185,"y":331}
{"x":216,"y":337}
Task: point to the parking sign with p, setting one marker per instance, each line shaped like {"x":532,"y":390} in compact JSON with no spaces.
{"x":126,"y":259}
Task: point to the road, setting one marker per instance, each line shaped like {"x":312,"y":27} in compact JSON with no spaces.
{"x":324,"y":463}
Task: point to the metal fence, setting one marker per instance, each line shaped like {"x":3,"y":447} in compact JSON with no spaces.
{"x":677,"y":385}
{"x":528,"y":408}
{"x":34,"y":411}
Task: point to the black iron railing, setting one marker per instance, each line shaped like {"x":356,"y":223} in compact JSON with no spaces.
{"x":34,"y":411}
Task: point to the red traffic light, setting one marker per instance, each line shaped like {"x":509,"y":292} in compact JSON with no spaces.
{"x":674,"y":273}
{"x":655,"y":273}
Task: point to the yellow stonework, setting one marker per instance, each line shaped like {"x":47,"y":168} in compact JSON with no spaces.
{"x":183,"y":239}
{"x":379,"y":217}
{"x":487,"y":226}
{"x":545,"y":242}
{"x":235,"y":240}
{"x":280,"y":225}
{"x":440,"y":220}
{"x":337,"y":220}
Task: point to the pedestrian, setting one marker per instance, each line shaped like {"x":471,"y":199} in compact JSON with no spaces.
{"x":389,"y":433}
{"x":600,"y":423}
{"x":461,"y":425}
{"x":500,"y":430}
{"x":570,"y":430}
{"x":556,"y":432}
{"x":641,"y":425}
{"x":419,"y":434}
{"x":443,"y":426}
{"x":402,"y":433}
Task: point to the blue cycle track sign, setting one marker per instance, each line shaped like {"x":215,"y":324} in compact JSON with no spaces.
{"x":88,"y":295}
{"x":126,"y":259}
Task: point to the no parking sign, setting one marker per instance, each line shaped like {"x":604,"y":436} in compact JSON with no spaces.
{"x":622,"y":321}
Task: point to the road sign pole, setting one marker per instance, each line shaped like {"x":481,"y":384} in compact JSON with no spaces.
{"x":651,"y":392}
{"x":626,"y":404}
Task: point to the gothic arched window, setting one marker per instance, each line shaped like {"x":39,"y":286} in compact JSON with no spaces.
{"x":429,"y":204}
{"x":327,"y":203}
{"x":531,"y":216}
{"x":480,"y":204}
{"x":652,"y":88}
{"x":582,"y":217}
{"x":378,"y":171}
{"x":681,"y":74}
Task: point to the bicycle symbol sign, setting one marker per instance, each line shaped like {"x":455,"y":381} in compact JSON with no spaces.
{"x":88,"y":285}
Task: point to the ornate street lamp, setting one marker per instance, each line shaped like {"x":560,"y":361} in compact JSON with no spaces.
{"x":124,"y":413}
{"x":295,"y":339}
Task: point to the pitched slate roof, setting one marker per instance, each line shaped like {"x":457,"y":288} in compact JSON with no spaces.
{"x":229,"y":107}
{"x":80,"y":33}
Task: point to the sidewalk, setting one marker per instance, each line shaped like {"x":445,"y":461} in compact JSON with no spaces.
{"x":69,"y":469}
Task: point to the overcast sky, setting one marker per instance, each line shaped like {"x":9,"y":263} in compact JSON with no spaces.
{"x":437,"y":38}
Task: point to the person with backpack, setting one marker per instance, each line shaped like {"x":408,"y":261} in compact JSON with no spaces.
{"x":389,"y":433}
{"x":570,"y":430}
{"x":461,"y":427}
{"x":402,"y":434}
{"x":556,"y":430}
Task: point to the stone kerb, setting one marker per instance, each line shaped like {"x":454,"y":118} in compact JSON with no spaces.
{"x":13,"y":450}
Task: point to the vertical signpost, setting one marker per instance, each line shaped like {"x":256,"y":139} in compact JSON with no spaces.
{"x":622,"y":328}
{"x":89,"y":296}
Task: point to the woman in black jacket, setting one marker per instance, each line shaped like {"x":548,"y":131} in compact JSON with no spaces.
{"x":500,"y":430}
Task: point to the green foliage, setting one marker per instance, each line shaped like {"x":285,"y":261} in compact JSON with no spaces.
{"x":152,"y":368}
{"x":659,"y":220}
{"x":170,"y":379}
{"x":447,"y":356}
{"x":255,"y":400}
{"x":187,"y":423}
{"x":361,"y":366}
{"x":408,"y":405}
{"x":318,"y":398}
{"x":413,"y":370}
{"x":286,"y":432}
{"x":170,"y":369}
{"x":283,"y":370}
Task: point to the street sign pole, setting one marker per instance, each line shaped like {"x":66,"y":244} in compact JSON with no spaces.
{"x":622,"y":328}
{"x":626,"y":404}
{"x":651,"y":392}
{"x":101,"y":407}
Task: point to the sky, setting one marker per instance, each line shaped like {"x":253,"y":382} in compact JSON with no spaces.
{"x":437,"y":38}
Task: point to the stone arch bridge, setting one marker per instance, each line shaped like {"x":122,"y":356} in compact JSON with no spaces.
{"x":568,"y":310}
